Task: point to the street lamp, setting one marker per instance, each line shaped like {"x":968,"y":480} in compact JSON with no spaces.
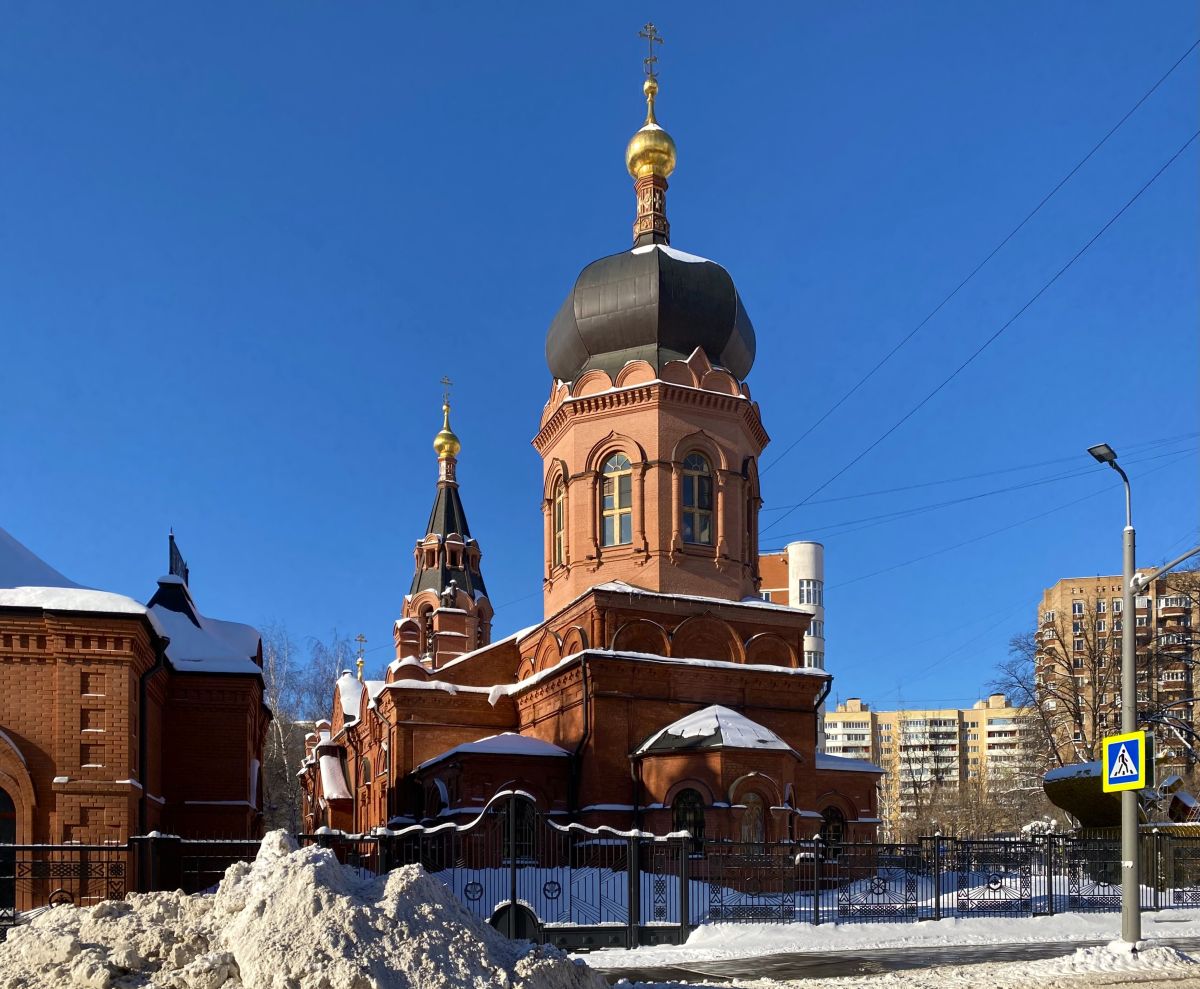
{"x":1131,"y":917}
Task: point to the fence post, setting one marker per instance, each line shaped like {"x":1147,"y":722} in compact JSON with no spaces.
{"x":818,"y":875}
{"x":685,"y":907}
{"x":634,"y":865}
{"x":1048,"y":844}
{"x":1154,"y":872}
{"x":159,"y":862}
{"x":512,"y":866}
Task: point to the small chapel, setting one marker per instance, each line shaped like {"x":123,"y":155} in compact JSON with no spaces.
{"x":659,"y":691}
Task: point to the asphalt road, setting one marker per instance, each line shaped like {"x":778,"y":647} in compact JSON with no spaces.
{"x":827,"y":965}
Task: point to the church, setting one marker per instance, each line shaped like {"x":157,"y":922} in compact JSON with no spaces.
{"x":660,"y":691}
{"x":119,"y":718}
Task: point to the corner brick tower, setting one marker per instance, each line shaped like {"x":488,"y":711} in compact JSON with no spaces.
{"x":650,"y":441}
{"x":446,"y":610}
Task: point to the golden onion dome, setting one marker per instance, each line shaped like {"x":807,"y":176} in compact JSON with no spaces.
{"x":651,"y":150}
{"x":446,"y":443}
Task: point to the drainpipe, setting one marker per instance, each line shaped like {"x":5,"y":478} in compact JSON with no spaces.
{"x":577,"y":755}
{"x":817,"y":707}
{"x":160,"y":663}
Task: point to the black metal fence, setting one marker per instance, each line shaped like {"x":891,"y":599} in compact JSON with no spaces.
{"x":583,"y":887}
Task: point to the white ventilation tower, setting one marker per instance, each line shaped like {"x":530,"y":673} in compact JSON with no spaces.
{"x":806,"y":591}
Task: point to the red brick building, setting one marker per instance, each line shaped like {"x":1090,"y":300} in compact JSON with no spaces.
{"x":659,"y":691}
{"x":118,"y":718}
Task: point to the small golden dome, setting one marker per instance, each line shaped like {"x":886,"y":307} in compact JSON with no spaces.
{"x":651,"y":150}
{"x":446,"y":443}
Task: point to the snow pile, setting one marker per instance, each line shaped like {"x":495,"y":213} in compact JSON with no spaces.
{"x":1114,"y":957}
{"x":290,"y":920}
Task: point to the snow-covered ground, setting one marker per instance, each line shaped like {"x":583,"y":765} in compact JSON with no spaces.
{"x":714,"y":942}
{"x":1111,"y":965}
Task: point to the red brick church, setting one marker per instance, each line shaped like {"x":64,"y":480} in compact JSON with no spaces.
{"x":118,"y":718}
{"x":659,"y":691}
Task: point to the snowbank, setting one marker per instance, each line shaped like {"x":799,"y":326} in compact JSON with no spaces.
{"x":290,"y":920}
{"x":718,"y":942}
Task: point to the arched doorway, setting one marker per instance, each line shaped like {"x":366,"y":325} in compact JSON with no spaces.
{"x":8,"y":837}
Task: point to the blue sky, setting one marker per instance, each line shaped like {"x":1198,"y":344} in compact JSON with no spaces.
{"x":240,"y":244}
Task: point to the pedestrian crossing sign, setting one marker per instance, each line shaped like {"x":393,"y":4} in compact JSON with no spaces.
{"x":1125,"y":762}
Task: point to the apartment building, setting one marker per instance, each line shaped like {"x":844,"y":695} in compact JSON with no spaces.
{"x":1078,"y":665}
{"x":928,"y":755}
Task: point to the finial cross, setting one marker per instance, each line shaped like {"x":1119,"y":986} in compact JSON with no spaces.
{"x":650,"y":33}
{"x":361,"y":640}
{"x":446,"y":383}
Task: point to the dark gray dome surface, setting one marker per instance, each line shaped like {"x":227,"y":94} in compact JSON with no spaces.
{"x":654,"y":304}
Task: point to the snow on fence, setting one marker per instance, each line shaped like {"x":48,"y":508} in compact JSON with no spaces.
{"x":583,"y":887}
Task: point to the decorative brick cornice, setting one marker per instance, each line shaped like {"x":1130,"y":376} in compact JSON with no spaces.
{"x":649,"y":394}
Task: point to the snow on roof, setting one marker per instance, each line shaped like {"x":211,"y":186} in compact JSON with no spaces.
{"x":333,"y":782}
{"x":350,"y":692}
{"x":518,"y":634}
{"x":199,"y":644}
{"x":512,"y":689}
{"x":506,"y":743}
{"x":27,"y":581}
{"x":1075,"y":771}
{"x":669,"y":251}
{"x":842,"y":764}
{"x":713,"y":727}
{"x":752,"y":602}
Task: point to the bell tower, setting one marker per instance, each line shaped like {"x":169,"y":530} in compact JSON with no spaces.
{"x":446,"y":611}
{"x":650,"y":440}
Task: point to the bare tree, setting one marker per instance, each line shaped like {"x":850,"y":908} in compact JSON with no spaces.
{"x":298,"y":688}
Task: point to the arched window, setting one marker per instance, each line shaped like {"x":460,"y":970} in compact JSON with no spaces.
{"x":833,"y":830}
{"x":616,"y":501}
{"x":425,"y":617}
{"x":364,"y":772}
{"x":687,"y":814}
{"x":697,"y":500}
{"x":754,"y":823}
{"x":558,"y":553}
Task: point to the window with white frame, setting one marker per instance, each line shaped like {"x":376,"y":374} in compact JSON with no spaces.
{"x":1079,"y":645}
{"x":1101,"y":606}
{"x":811,"y":592}
{"x":1076,"y":607}
{"x":616,"y":501}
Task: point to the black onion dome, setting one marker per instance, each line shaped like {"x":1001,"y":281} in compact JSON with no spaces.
{"x":654,"y":304}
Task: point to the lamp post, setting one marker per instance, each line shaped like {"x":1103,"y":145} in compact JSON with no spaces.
{"x":1131,"y":917}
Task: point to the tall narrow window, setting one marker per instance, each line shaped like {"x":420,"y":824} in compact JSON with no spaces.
{"x":697,"y":500}
{"x":616,"y":501}
{"x":560,"y":518}
{"x":687,"y":814}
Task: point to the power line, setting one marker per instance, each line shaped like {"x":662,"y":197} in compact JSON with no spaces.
{"x":1073,"y":458}
{"x":974,"y":271}
{"x":986,"y":535}
{"x":872,"y":520}
{"x":996,"y":335}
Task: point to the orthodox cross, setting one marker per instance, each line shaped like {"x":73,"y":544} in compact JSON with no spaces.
{"x":446,"y":383}
{"x":650,"y":33}
{"x":360,"y":639}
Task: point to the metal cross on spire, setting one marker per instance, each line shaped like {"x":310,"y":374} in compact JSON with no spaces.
{"x":446,"y":383}
{"x":650,"y":33}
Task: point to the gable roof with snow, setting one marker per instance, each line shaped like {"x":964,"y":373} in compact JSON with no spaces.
{"x":199,"y":644}
{"x":27,"y":581}
{"x":714,"y":727}
{"x":506,"y":743}
{"x":840,"y":763}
